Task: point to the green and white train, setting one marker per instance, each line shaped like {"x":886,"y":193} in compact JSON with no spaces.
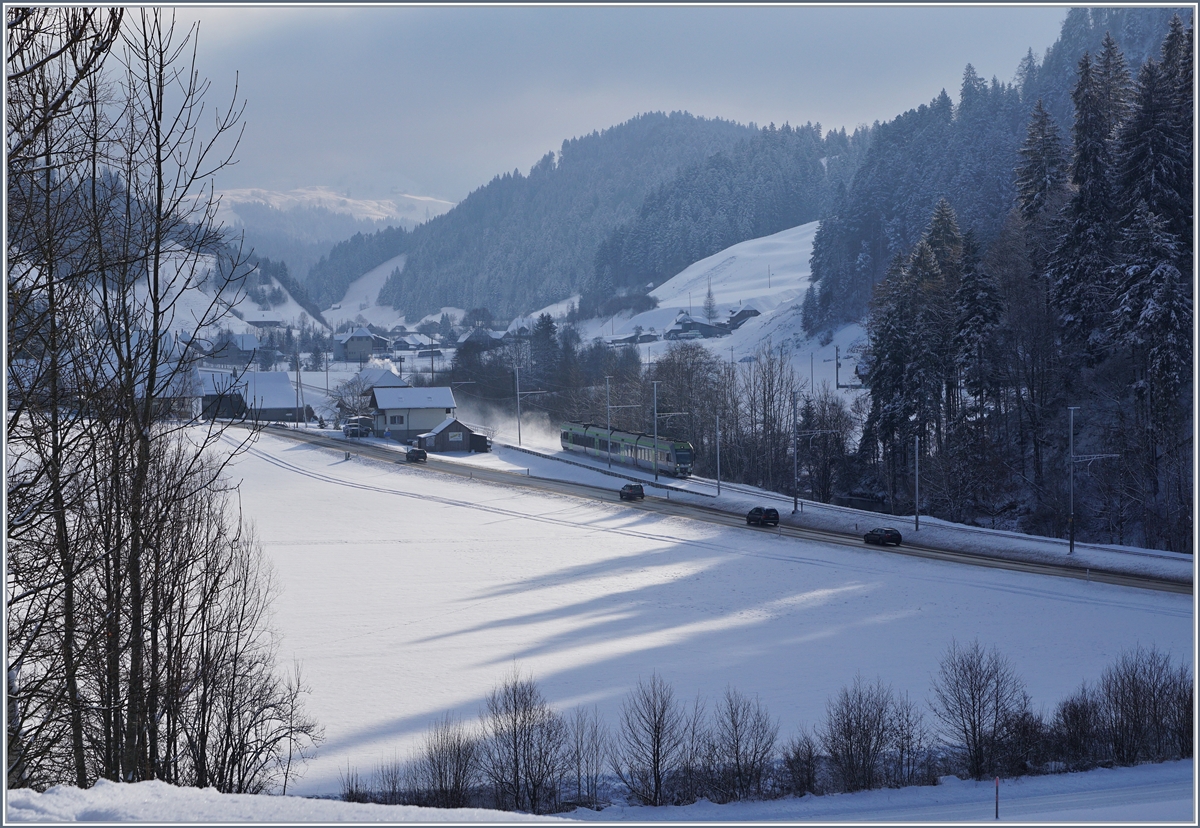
{"x":629,"y":448}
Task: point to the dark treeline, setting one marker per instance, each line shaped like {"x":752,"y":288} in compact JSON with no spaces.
{"x":964,"y":153}
{"x":1080,"y":300}
{"x":524,"y":241}
{"x":525,"y":755}
{"x":777,"y":179}
{"x":138,"y":632}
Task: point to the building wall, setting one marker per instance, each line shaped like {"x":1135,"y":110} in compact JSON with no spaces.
{"x":416,"y":421}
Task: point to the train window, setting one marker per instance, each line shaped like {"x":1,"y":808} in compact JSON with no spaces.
{"x":603,"y":445}
{"x":566,"y":436}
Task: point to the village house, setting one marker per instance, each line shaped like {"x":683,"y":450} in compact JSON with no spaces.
{"x":359,"y":346}
{"x":405,"y":413}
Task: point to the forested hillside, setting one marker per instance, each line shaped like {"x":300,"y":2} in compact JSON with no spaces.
{"x":777,"y":179}
{"x":525,"y":240}
{"x":329,"y":278}
{"x":964,"y":153}
{"x":1081,"y":302}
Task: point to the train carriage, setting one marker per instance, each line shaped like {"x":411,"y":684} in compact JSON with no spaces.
{"x":629,"y":448}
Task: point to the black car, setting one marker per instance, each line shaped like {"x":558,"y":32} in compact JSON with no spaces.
{"x":882,"y":536}
{"x":416,"y":455}
{"x":762,"y":516}
{"x":632,"y":491}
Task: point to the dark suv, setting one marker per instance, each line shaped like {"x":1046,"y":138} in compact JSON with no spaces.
{"x":763,"y":516}
{"x":882,"y":536}
{"x":632,"y":491}
{"x":416,"y":455}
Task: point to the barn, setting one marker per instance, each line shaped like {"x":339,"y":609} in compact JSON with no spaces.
{"x":452,"y":435}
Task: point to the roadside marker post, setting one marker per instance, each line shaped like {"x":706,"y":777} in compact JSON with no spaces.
{"x":997,"y":797}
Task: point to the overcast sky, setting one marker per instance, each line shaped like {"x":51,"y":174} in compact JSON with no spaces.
{"x":435,"y":101}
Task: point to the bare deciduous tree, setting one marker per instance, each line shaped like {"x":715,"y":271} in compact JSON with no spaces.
{"x":856,"y":733}
{"x":976,"y":694}
{"x":649,"y":739}
{"x":587,"y":747}
{"x":743,"y":738}
{"x":522,"y":750}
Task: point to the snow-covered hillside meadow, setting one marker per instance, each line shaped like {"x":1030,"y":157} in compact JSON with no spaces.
{"x":770,"y":274}
{"x":406,"y":595}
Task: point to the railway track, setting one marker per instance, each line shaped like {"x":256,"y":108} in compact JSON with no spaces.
{"x":711,"y":514}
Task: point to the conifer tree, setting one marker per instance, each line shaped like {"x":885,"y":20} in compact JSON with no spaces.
{"x":1042,"y":170}
{"x":1083,"y":256}
{"x":978,"y":308}
{"x":1113,"y":85}
{"x":1150,"y":152}
{"x":710,"y":304}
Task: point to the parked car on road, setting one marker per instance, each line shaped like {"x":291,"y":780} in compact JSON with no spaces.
{"x":762,"y":516}
{"x":359,"y":427}
{"x":416,"y":455}
{"x":882,"y":536}
{"x":632,"y":491}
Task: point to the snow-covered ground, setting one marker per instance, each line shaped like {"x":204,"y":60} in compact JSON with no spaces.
{"x":1146,"y":794}
{"x":770,"y":274}
{"x":407,"y":594}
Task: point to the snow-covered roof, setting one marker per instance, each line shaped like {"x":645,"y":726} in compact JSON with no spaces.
{"x":261,"y":317}
{"x":525,"y":322}
{"x":217,"y":381}
{"x":434,"y":397}
{"x":245,"y":342}
{"x":376,"y":377}
{"x":268,"y":389}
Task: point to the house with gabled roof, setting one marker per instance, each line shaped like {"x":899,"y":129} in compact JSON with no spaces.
{"x":359,"y":346}
{"x":271,"y":397}
{"x":405,"y":413}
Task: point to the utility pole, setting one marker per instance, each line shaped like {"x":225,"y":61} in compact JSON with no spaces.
{"x":608,"y":409}
{"x":795,"y":461}
{"x":517,"y":372}
{"x":654,"y":450}
{"x":718,"y":454}
{"x":917,"y":493}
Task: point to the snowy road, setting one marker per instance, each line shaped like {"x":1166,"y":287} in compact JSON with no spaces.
{"x":685,"y":507}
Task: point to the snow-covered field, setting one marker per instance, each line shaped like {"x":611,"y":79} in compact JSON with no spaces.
{"x":407,"y":594}
{"x":1146,"y":794}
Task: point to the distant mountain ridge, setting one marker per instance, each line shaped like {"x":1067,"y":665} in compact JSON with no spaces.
{"x":527,"y":240}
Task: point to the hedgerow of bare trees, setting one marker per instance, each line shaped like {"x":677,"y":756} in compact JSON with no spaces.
{"x":525,"y":755}
{"x":137,"y":600}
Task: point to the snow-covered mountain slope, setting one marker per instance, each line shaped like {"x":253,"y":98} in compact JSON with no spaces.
{"x":415,"y":209}
{"x":770,"y":274}
{"x":199,"y":305}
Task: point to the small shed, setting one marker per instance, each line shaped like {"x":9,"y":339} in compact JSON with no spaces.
{"x":452,"y":435}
